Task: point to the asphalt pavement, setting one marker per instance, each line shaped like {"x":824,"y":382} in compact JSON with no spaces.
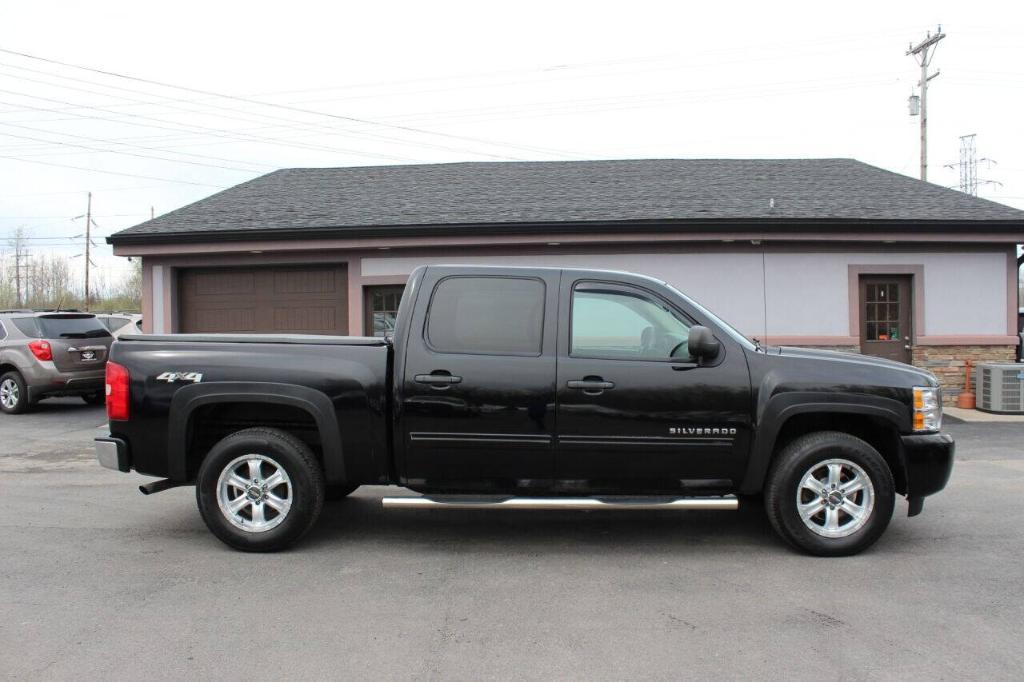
{"x":98,"y":581}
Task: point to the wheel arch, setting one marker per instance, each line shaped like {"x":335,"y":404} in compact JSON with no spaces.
{"x":189,"y":401}
{"x":874,"y":419}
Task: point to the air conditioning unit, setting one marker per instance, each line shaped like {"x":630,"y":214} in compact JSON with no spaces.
{"x":1001,"y":388}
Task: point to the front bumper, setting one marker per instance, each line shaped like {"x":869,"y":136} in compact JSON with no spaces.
{"x":929,"y":462}
{"x":112,"y":453}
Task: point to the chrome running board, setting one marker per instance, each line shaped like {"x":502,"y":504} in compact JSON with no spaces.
{"x":726,"y":503}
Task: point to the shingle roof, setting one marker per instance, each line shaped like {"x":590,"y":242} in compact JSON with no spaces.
{"x":361,"y":199}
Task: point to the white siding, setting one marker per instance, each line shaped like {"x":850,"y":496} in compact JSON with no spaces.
{"x":807,"y":292}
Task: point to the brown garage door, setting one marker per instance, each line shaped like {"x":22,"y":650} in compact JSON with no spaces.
{"x":300,"y":300}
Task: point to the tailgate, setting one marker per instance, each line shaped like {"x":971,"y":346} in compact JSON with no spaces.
{"x":79,"y":342}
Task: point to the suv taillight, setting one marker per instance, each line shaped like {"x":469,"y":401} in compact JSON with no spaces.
{"x":41,"y":349}
{"x":117,"y":391}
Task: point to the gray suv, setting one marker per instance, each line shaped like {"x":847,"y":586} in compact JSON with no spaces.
{"x":48,"y":354}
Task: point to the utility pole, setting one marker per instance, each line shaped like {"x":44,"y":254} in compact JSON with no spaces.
{"x":88,"y":227}
{"x":17,"y":272}
{"x":923,"y":53}
{"x":19,"y":255}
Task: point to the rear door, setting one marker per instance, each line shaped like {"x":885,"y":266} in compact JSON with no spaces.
{"x":477,"y":397}
{"x":78,"y":342}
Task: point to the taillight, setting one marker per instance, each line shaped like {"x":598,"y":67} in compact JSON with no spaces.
{"x":41,"y":349}
{"x":117,"y":391}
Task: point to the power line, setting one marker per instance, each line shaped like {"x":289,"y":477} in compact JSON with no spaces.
{"x":126,"y":175}
{"x":134,"y":154}
{"x":76,"y":191}
{"x":292,"y":124}
{"x":212,"y":132}
{"x":285,"y":107}
{"x":128,"y":144}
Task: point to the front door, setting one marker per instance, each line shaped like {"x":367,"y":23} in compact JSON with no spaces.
{"x":478,"y":393}
{"x":634,"y":410}
{"x":885,"y":315}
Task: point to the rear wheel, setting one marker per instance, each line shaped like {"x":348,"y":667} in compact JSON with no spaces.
{"x":97,"y":398}
{"x":13,"y":393}
{"x":830,"y":494}
{"x":260,"y":490}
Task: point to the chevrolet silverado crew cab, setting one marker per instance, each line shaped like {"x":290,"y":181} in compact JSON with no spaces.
{"x":528,"y":388}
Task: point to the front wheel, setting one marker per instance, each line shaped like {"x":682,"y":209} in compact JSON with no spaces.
{"x":260,"y":490}
{"x":830,"y":494}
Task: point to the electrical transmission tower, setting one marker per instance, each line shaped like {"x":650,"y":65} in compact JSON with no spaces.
{"x":968,"y":166}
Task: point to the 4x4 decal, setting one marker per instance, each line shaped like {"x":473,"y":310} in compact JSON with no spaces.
{"x":173,"y":377}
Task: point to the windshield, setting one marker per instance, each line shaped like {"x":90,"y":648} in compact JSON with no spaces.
{"x":726,"y":327}
{"x":70,"y":327}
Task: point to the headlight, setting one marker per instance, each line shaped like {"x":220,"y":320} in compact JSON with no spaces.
{"x":927,"y":408}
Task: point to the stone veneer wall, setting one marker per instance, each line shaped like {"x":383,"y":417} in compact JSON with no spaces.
{"x":947,"y":363}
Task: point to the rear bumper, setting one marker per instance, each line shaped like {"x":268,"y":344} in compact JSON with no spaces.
{"x":48,"y":381}
{"x":112,"y":453}
{"x":929,"y":462}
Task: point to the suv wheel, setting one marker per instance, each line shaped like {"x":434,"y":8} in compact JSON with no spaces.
{"x":13,"y":393}
{"x":97,"y":398}
{"x":830,"y":494}
{"x":260,"y":490}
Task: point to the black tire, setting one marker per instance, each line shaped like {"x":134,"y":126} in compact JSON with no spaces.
{"x":783,"y":487}
{"x":290,"y":454}
{"x":339,"y":491}
{"x":97,"y":398}
{"x":12,"y":382}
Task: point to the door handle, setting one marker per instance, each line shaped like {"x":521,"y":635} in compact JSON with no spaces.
{"x":591,"y":384}
{"x":437,"y":379}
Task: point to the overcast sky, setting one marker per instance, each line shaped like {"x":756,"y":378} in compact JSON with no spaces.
{"x":434,"y":82}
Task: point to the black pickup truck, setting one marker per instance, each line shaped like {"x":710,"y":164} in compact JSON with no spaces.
{"x":528,"y":388}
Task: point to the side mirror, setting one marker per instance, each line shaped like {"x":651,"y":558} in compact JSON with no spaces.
{"x":702,"y":344}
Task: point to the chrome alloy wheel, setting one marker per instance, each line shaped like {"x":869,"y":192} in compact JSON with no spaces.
{"x":835,"y":498}
{"x":9,"y":393}
{"x":254,"y":493}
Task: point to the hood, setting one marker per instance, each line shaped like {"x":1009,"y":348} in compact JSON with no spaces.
{"x":922,"y":376}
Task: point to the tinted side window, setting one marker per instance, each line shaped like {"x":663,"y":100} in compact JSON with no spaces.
{"x":489,"y":315}
{"x":27,"y":326}
{"x":616,"y":323}
{"x":3,"y":331}
{"x":114,"y":323}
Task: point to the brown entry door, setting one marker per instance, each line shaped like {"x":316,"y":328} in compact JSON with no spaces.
{"x":885,"y":315}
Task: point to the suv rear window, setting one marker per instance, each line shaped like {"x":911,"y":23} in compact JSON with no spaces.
{"x":61,"y":327}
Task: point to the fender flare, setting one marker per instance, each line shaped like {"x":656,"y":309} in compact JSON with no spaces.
{"x":781,"y":408}
{"x":189,"y":398}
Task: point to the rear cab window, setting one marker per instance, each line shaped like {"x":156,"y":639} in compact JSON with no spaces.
{"x":486,"y":316}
